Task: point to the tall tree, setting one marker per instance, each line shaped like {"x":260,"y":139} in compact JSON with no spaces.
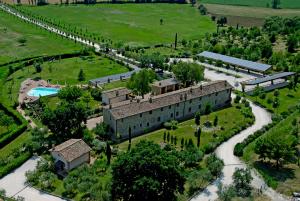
{"x":198,"y":136}
{"x":275,"y":4}
{"x":147,"y":173}
{"x":197,"y":118}
{"x":140,"y":82}
{"x":108,"y":153}
{"x":70,"y":93}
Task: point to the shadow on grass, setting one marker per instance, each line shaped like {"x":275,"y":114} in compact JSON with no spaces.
{"x":272,"y":175}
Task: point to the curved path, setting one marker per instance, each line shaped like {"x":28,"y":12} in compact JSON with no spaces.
{"x":224,"y":151}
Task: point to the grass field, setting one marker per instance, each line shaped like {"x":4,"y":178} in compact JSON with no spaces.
{"x":186,"y":129}
{"x":285,"y":180}
{"x":135,"y":24}
{"x":38,"y":42}
{"x":287,"y":99}
{"x":248,"y":16}
{"x":63,"y":71}
{"x":255,"y":3}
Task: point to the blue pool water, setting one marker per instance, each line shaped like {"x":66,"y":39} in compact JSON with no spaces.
{"x":42,"y":91}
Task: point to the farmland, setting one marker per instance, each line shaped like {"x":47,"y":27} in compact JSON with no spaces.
{"x":255,"y":3}
{"x":20,"y":40}
{"x":132,"y":24}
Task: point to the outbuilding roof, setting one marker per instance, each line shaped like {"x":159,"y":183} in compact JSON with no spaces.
{"x":269,"y":78}
{"x":72,"y":149}
{"x":166,"y":82}
{"x":255,"y":66}
{"x":116,"y":92}
{"x":130,"y":108}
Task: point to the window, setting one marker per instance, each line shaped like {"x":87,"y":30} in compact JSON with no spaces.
{"x":148,"y":124}
{"x":200,"y":98}
{"x":190,"y":109}
{"x":169,"y":106}
{"x":150,"y":112}
{"x":141,"y":125}
{"x":162,"y":109}
{"x":134,"y":127}
{"x":190,"y":101}
{"x":199,"y":106}
{"x":177,"y":104}
{"x":122,"y":120}
{"x":217,"y":94}
{"x":158,"y":119}
{"x":141,"y":115}
{"x":171,"y":115}
{"x":177,"y":113}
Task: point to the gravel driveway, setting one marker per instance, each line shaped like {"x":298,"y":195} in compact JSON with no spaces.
{"x":14,"y":184}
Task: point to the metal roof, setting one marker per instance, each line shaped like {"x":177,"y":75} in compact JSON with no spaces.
{"x":269,"y":78}
{"x":255,"y":66}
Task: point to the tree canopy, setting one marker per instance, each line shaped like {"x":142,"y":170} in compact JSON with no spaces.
{"x":140,"y":82}
{"x":147,"y":173}
{"x":188,"y":73}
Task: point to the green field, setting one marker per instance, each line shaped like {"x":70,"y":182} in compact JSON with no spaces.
{"x":38,"y":42}
{"x":286,"y":179}
{"x":287,"y":99}
{"x":135,"y":24}
{"x":225,"y":129}
{"x":62,"y":71}
{"x":255,"y":3}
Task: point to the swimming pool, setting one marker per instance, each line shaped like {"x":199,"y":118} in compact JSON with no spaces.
{"x":42,"y":91}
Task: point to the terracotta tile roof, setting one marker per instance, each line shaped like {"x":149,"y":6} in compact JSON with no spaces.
{"x":116,"y":92}
{"x":72,"y":149}
{"x":130,"y":108}
{"x":166,"y":82}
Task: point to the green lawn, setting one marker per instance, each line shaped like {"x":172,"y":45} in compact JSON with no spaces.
{"x":285,"y":180}
{"x":255,"y":3}
{"x":134,"y":24}
{"x":63,"y":71}
{"x":38,"y":42}
{"x":225,"y":129}
{"x":287,"y":99}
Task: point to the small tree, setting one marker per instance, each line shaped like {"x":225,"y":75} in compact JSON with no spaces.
{"x":216,"y":120}
{"x":165,"y":136}
{"x":242,"y":182}
{"x":81,"y":76}
{"x":198,"y":137}
{"x":168,"y":137}
{"x":197,"y":118}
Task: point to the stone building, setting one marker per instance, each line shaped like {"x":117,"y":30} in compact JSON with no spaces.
{"x":115,"y":95}
{"x":142,"y":116}
{"x":164,"y":86}
{"x":70,"y":154}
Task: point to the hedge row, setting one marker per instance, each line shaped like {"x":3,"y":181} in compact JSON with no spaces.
{"x":17,"y":162}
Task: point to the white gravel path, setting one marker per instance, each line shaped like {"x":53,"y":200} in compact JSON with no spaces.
{"x":14,"y":184}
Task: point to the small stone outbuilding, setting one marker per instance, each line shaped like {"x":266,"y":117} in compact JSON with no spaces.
{"x":164,"y":86}
{"x":115,"y":95}
{"x":70,"y":154}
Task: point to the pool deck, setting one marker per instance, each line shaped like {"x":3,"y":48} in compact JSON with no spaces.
{"x":29,"y":84}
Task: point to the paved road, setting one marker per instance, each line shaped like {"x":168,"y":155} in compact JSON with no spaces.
{"x":14,"y":184}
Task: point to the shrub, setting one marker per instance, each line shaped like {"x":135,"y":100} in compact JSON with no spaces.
{"x":237,"y":99}
{"x":171,"y":125}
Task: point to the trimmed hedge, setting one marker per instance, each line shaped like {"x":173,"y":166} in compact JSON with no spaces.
{"x":8,"y":137}
{"x":17,"y":162}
